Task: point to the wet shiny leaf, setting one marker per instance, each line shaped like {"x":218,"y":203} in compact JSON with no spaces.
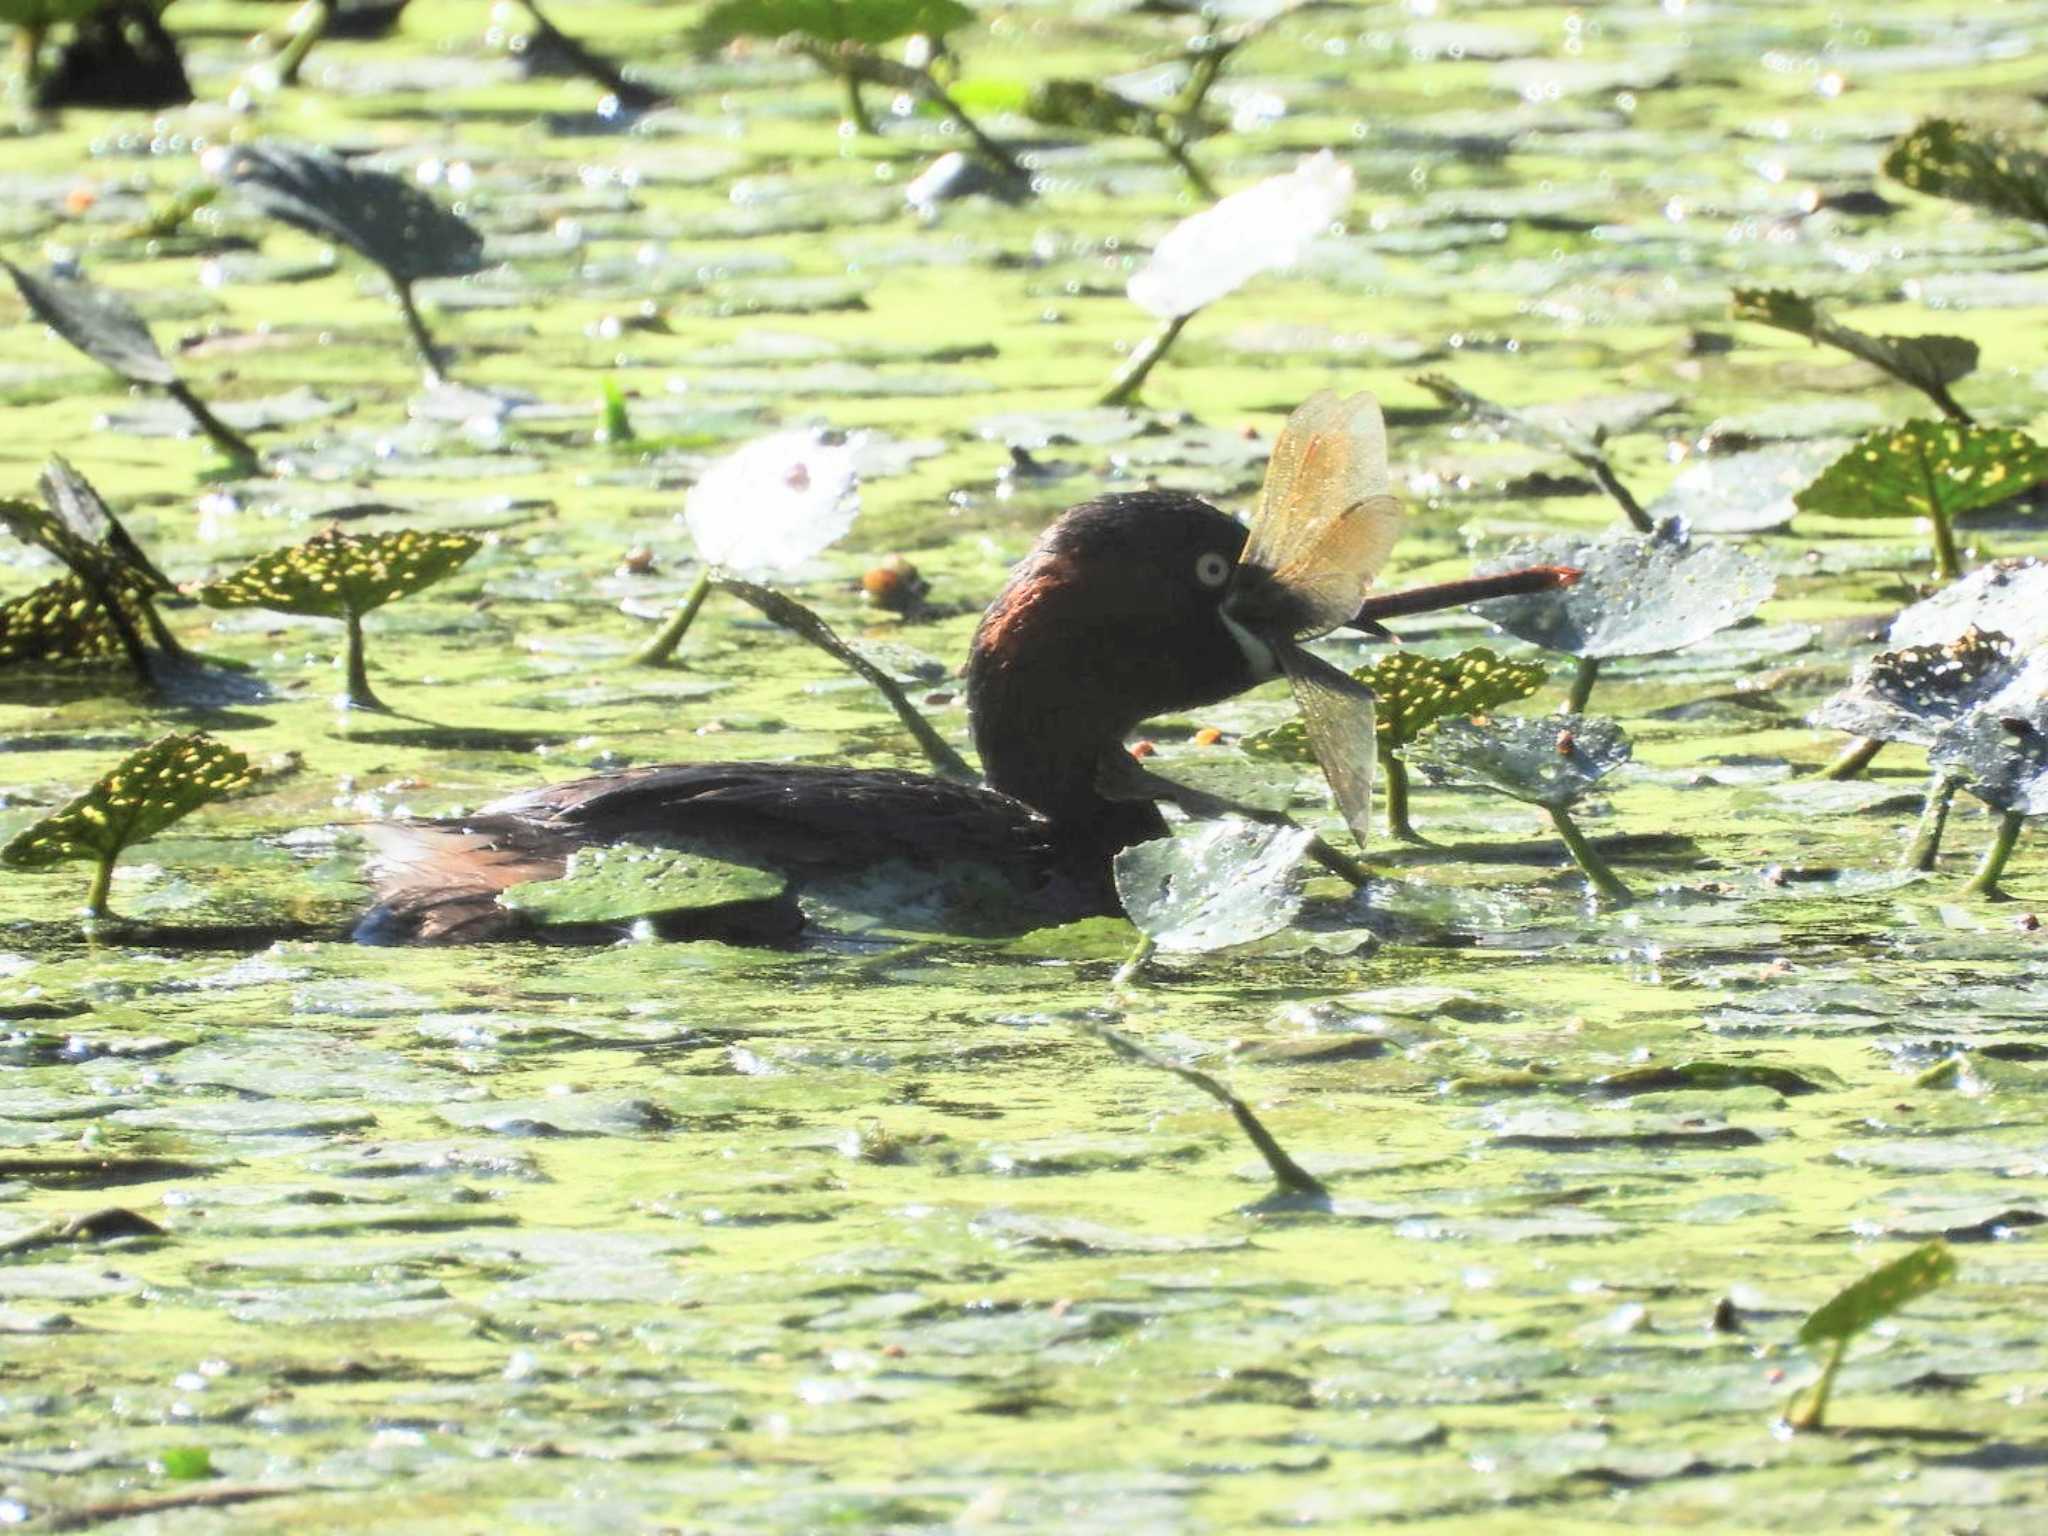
{"x":1932,"y":469}
{"x":1912,"y":693}
{"x":1218,"y":884}
{"x":2002,"y":755}
{"x":145,"y":793}
{"x":1549,"y":760}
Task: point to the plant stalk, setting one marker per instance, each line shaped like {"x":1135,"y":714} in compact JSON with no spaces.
{"x":1583,"y":678}
{"x":1948,"y":562}
{"x":1134,"y":963}
{"x":1985,"y":881}
{"x":360,"y":694}
{"x":417,"y":329}
{"x":1605,"y":477}
{"x":1395,"y":772}
{"x":857,"y":109}
{"x":1123,"y":389}
{"x":1941,"y":794}
{"x":662,"y":648}
{"x":309,"y":32}
{"x":943,"y":100}
{"x":1807,"y":1408}
{"x":1854,"y":759}
{"x":102,"y":882}
{"x":1587,"y":857}
{"x":1177,"y":152}
{"x":239,"y":450}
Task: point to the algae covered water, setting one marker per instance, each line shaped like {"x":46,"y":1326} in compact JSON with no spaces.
{"x":874,"y":1233}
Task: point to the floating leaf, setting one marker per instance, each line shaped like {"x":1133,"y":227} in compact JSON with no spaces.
{"x":2006,"y":596}
{"x":148,"y":791}
{"x":1265,"y":228}
{"x":1912,"y":693}
{"x":627,"y":881}
{"x":1549,"y":760}
{"x":2002,"y":754}
{"x":1930,"y":469}
{"x":1928,"y":363}
{"x":383,"y":218}
{"x":829,"y":22}
{"x":1218,"y":884}
{"x":1947,"y":159}
{"x":97,"y":321}
{"x":1743,"y":492}
{"x":1636,"y":595}
{"x":334,"y":574}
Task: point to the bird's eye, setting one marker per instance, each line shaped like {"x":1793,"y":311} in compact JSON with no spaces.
{"x":1212,"y":569}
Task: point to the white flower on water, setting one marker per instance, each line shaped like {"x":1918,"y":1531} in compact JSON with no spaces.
{"x":768,"y":507}
{"x":1265,"y":228}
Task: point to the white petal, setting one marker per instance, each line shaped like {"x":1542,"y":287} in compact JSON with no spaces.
{"x":1264,"y":228}
{"x":774,"y":503}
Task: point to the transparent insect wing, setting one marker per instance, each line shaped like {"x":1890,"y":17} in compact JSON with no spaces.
{"x":1337,"y":712}
{"x":1326,"y":518}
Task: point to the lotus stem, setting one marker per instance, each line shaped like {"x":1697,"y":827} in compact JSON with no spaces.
{"x":240,"y":451}
{"x":1177,"y":152}
{"x":1395,"y":772}
{"x":1941,"y":794}
{"x":857,"y":109}
{"x":1605,"y":477}
{"x":417,"y":329}
{"x":1597,"y":869}
{"x":1131,"y":377}
{"x":662,"y":648}
{"x":1134,"y":963}
{"x":310,"y":29}
{"x":1582,"y":685}
{"x":1807,"y":1408}
{"x":943,"y":100}
{"x":102,"y":882}
{"x":28,"y":54}
{"x":1854,"y":759}
{"x":1985,"y":881}
{"x":1948,"y":564}
{"x":1338,"y":862}
{"x":360,"y":695}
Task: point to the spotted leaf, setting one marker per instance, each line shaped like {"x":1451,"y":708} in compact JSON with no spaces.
{"x":1947,"y":159}
{"x":1925,"y":362}
{"x":148,"y":791}
{"x":1932,"y":469}
{"x":334,"y":573}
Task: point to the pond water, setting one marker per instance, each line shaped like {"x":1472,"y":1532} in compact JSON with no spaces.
{"x":874,"y":1234}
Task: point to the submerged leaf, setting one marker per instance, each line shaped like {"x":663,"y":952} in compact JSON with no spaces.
{"x":1265,"y":228}
{"x":1947,"y":159}
{"x":627,"y":881}
{"x":381,"y":217}
{"x":766,"y":508}
{"x":1928,"y":363}
{"x":1637,"y":594}
{"x":1218,"y":884}
{"x":1551,"y":761}
{"x":868,"y":22}
{"x":1911,"y":693}
{"x":1932,"y":469}
{"x":97,"y":321}
{"x":145,"y":793}
{"x":1879,"y":1294}
{"x":2002,"y":755}
{"x":334,"y":574}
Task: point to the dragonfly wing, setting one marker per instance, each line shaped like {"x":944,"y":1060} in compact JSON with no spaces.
{"x":1336,"y":711}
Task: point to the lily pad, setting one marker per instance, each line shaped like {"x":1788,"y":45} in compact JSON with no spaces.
{"x":1929,"y":363}
{"x":1947,"y":159}
{"x":627,"y":881}
{"x":1913,"y":693}
{"x":1744,"y":492}
{"x":1637,"y":595}
{"x":2009,"y":597}
{"x":1219,"y":884}
{"x":141,"y":796}
{"x":1550,"y":760}
{"x":2002,"y":755}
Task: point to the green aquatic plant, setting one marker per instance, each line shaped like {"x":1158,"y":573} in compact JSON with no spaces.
{"x":616,"y":429}
{"x":385,"y":219}
{"x":1553,"y":430}
{"x":1932,"y":469}
{"x":139,"y":797}
{"x":1853,"y":1309}
{"x":338,"y":575}
{"x":1927,"y":363}
{"x":105,"y":327}
{"x":1268,"y":227}
{"x":1552,"y":761}
{"x":624,"y":882}
{"x":1214,"y":885}
{"x":1983,"y":167}
{"x":2001,"y":753}
{"x":1086,"y":107}
{"x":1411,"y":692}
{"x":1636,"y":595}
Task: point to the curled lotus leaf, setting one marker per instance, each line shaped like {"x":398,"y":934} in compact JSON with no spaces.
{"x":628,"y":881}
{"x":2007,"y":596}
{"x":1548,"y":760}
{"x":1914,"y":692}
{"x":143,"y":794}
{"x":383,"y":218}
{"x":1637,"y":594}
{"x":1933,"y":469}
{"x":334,"y":573}
{"x":97,"y":321}
{"x":1413,"y":691}
{"x":1947,"y":159}
{"x":2001,"y":754}
{"x":1926,"y":362}
{"x":1218,"y":884}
